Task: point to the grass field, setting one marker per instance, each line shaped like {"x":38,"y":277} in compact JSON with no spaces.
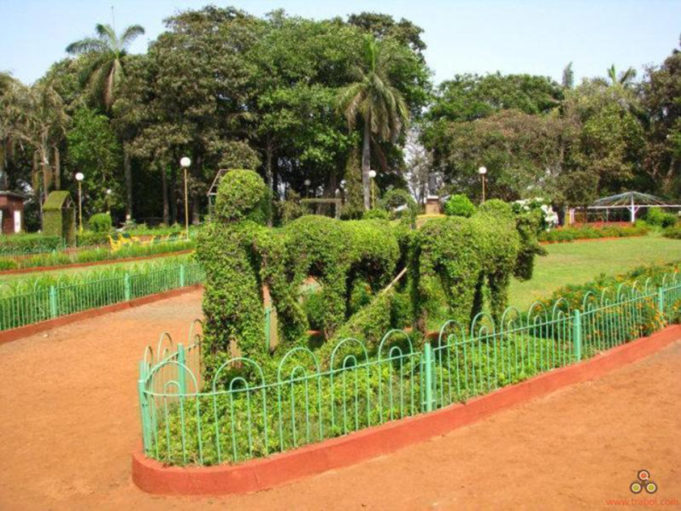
{"x":579,"y":262}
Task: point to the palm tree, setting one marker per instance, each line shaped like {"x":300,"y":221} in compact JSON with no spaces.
{"x":625,"y":79}
{"x":105,"y":72}
{"x":106,"y":69}
{"x":372,"y":97}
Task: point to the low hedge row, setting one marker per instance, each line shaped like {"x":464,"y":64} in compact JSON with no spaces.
{"x":29,"y":243}
{"x":673,"y":232}
{"x":92,"y":255}
{"x":565,"y":234}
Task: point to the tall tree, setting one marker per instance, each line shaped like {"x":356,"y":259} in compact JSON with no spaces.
{"x":106,"y":67}
{"x":373,"y":98}
{"x":661,"y":93}
{"x":105,"y":72}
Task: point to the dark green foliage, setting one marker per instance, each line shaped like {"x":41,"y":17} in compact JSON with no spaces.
{"x":242,"y":195}
{"x":29,"y":243}
{"x":660,"y":218}
{"x":59,"y":216}
{"x":337,"y":253}
{"x":459,"y":205}
{"x":398,"y":197}
{"x":100,"y":222}
{"x":455,"y":257}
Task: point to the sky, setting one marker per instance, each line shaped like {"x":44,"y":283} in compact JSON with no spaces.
{"x":463,"y":36}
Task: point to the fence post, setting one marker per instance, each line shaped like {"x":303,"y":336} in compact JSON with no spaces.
{"x":182,"y":275}
{"x":660,"y":303}
{"x":53,"y":301}
{"x":577,"y":334}
{"x":182,"y":361}
{"x":126,"y":286}
{"x":144,"y":410}
{"x":428,"y":367}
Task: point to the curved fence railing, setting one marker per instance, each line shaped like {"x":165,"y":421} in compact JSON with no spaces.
{"x":247,"y":410}
{"x":21,"y":306}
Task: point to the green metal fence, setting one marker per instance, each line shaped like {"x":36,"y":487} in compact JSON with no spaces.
{"x":20,"y":306}
{"x":248,"y":410}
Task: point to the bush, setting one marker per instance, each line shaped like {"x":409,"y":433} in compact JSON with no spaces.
{"x":29,"y":243}
{"x":375,"y":214}
{"x":396,"y":198}
{"x":100,"y":222}
{"x":673,"y":232}
{"x":565,"y":234}
{"x":659,"y":218}
{"x":91,"y":238}
{"x":459,"y":205}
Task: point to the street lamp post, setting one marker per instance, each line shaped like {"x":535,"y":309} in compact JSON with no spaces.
{"x":372,"y":176}
{"x":307,"y":187}
{"x":482,"y":171}
{"x":185,"y":162}
{"x":108,"y":205}
{"x":79,"y":178}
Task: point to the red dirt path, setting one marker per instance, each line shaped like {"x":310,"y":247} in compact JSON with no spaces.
{"x":69,"y":421}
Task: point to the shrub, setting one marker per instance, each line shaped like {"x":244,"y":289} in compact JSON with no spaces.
{"x":375,"y":214}
{"x":659,"y":218}
{"x":396,"y":198}
{"x":565,"y":234}
{"x":29,"y":243}
{"x":673,"y":232}
{"x":459,"y":205}
{"x":91,"y":238}
{"x":100,"y":222}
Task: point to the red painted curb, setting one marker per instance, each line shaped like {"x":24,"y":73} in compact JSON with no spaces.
{"x":93,"y":263}
{"x":24,"y":331}
{"x":265,"y":473}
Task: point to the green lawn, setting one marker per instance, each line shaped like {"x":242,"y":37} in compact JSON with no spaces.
{"x":575,"y":263}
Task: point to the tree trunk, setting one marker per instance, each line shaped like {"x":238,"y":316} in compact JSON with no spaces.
{"x":57,"y":169}
{"x":164,"y":192}
{"x":195,"y":197}
{"x":366,"y":163}
{"x":268,"y":166}
{"x":128,"y":182}
{"x":173,"y":194}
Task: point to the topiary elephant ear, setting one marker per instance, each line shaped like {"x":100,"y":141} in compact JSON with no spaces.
{"x":242,"y":195}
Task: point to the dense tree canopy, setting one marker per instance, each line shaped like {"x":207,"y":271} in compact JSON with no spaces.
{"x":312,"y":105}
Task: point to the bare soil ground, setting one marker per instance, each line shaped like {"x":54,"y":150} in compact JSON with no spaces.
{"x":69,"y":421}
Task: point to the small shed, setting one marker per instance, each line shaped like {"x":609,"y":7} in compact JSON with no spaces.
{"x":433,"y":205}
{"x":59,"y":216}
{"x":11,"y":212}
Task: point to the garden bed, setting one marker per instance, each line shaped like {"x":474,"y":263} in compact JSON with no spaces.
{"x":154,"y":477}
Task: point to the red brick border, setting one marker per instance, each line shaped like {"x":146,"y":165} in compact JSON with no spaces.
{"x":261,"y":474}
{"x":34,"y":269}
{"x":24,"y":331}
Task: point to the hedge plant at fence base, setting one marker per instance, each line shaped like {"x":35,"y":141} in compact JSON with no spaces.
{"x":452,"y":261}
{"x":249,"y":412}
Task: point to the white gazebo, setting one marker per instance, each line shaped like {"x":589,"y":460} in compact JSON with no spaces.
{"x":632,"y":201}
